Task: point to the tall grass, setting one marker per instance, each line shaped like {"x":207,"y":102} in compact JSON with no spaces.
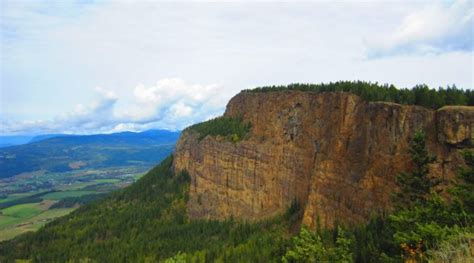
{"x":458,"y":249}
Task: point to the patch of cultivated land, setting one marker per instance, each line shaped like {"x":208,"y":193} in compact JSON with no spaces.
{"x":21,"y":218}
{"x":18,"y":225}
{"x":62,"y":195}
{"x":23,"y":210}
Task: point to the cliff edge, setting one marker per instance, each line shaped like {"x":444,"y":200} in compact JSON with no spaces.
{"x":333,"y":152}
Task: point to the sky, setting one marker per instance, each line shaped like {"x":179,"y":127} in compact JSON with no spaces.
{"x":88,"y":67}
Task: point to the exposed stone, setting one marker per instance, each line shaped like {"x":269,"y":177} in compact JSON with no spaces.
{"x":455,"y":125}
{"x":333,"y":152}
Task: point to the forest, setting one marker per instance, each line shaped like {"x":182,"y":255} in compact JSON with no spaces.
{"x":147,"y":222}
{"x":421,"y":95}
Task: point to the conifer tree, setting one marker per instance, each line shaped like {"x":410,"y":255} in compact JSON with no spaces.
{"x":415,"y":186}
{"x":463,"y":191}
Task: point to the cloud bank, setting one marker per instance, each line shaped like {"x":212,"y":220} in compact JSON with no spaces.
{"x":169,"y":104}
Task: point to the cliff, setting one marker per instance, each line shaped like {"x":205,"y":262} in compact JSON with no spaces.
{"x":333,"y":152}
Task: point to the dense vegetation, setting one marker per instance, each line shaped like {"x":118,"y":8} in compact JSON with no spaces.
{"x":419,"y":95}
{"x":147,"y":222}
{"x":234,"y":129}
{"x":77,"y":200}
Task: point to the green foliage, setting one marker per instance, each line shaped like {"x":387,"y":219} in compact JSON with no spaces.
{"x":234,"y":129}
{"x":342,"y":252}
{"x":463,"y":191}
{"x":178,"y":258}
{"x":416,"y":186}
{"x":77,"y":200}
{"x":419,"y":95}
{"x":308,"y":246}
{"x":374,"y":242}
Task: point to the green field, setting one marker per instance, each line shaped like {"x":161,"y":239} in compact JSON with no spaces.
{"x":61,"y":195}
{"x":22,"y":211}
{"x":17,"y":196}
{"x":8,"y":220}
{"x":20,"y":218}
{"x":111,"y":181}
{"x":16,"y":226}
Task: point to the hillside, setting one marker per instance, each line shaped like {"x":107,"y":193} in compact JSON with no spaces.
{"x":68,"y":153}
{"x":239,"y":188}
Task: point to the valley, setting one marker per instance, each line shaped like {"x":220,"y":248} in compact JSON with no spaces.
{"x":33,"y":191}
{"x":30,"y":201}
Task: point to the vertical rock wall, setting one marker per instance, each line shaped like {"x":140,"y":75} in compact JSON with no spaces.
{"x":333,"y":152}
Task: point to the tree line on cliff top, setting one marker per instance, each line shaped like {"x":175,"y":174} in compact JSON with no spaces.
{"x":421,"y":95}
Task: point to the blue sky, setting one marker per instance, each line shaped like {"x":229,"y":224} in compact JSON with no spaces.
{"x":105,"y":66}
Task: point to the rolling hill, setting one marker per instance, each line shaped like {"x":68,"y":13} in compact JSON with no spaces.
{"x":72,"y":152}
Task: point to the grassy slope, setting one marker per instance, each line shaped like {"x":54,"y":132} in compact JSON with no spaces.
{"x":19,"y":226}
{"x":23,"y":210}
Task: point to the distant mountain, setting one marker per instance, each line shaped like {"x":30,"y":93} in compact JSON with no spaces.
{"x":6,"y":141}
{"x":61,"y":153}
{"x":46,"y":136}
{"x":11,"y":140}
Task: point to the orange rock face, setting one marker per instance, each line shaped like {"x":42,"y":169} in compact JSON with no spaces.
{"x":333,"y":152}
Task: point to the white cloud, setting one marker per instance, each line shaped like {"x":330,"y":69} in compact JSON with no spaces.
{"x":436,"y":28}
{"x":54,"y":54}
{"x":171,"y":103}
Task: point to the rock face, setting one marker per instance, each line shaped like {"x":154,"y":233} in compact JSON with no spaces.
{"x":334,"y":153}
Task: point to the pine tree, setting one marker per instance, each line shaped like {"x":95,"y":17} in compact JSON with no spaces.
{"x":463,"y":191}
{"x":415,"y":186}
{"x":307,"y":247}
{"x":342,"y":253}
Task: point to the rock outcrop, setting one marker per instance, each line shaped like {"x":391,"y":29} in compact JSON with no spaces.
{"x":334,"y":153}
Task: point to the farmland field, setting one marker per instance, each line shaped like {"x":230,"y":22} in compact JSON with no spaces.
{"x":70,"y":190}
